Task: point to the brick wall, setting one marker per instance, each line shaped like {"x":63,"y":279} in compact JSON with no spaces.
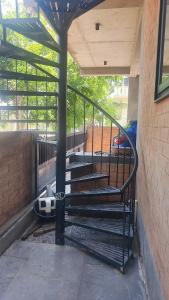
{"x":97,"y":137}
{"x":15,"y":173}
{"x":153,"y":147}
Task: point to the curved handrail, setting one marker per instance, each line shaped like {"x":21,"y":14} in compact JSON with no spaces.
{"x":133,"y":173}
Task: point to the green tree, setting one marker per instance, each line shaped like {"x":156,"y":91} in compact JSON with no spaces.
{"x":97,"y":88}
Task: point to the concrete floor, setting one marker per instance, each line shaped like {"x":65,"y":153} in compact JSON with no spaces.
{"x":33,"y":271}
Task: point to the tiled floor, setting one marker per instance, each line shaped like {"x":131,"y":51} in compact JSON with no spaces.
{"x":35,"y":271}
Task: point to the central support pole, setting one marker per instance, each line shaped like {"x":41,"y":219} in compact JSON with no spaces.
{"x":61,"y":148}
{"x":63,"y":21}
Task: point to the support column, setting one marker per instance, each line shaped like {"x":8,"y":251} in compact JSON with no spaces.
{"x":133,"y":98}
{"x":61,"y":148}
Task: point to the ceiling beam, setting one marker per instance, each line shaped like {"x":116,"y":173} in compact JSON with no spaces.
{"x":110,"y":4}
{"x":104,"y":71}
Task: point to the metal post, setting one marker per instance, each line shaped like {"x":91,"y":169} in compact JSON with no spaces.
{"x":37,"y":148}
{"x":61,"y":147}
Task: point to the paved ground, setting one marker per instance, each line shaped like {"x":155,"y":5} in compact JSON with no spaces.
{"x":33,"y":271}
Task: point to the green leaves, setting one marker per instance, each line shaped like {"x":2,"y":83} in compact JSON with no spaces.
{"x":99,"y":89}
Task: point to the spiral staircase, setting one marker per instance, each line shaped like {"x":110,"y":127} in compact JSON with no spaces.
{"x":100,"y":209}
{"x":98,"y":213}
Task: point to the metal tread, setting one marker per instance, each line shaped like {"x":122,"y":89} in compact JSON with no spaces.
{"x":102,"y":225}
{"x":100,"y":208}
{"x":77,"y":165}
{"x":109,"y":253}
{"x":90,"y":177}
{"x":26,"y":93}
{"x":33,"y":29}
{"x":103,"y":191}
{"x":10,"y":51}
{"x":29,"y":77}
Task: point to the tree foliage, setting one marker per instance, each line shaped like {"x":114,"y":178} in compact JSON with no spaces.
{"x":96,"y":88}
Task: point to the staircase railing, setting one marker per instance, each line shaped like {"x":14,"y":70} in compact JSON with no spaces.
{"x":95,"y":119}
{"x":46,"y":152}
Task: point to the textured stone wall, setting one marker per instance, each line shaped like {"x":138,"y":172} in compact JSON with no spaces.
{"x":16,"y":186}
{"x":153,"y":147}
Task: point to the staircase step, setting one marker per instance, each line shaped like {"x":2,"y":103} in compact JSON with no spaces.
{"x":28,"y":77}
{"x":111,"y":254}
{"x":115,"y":210}
{"x":90,"y":177}
{"x":77,"y":165}
{"x":101,"y":225}
{"x":104,"y":191}
{"x":33,"y":29}
{"x":10,"y":51}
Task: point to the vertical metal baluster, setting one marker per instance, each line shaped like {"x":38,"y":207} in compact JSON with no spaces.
{"x":49,"y":152}
{"x":17,"y":112}
{"x":129,"y":227}
{"x":124,"y":228}
{"x":7,"y":86}
{"x":56,"y":116}
{"x":110,"y":152}
{"x":84,"y":127}
{"x":102,"y":145}
{"x":36,"y":103}
{"x":133,"y":186}
{"x":37,"y":167}
{"x":117,"y":169}
{"x":46,"y":112}
{"x":17,"y":8}
{"x":74,"y":124}
{"x":43,"y":147}
{"x":124,"y":164}
{"x":131,"y":215}
{"x":27,"y":98}
{"x":41,"y":153}
{"x":44,"y":152}
{"x":93,"y":133}
{"x":128,"y":189}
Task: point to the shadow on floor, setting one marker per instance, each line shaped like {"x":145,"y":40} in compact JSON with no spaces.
{"x":33,"y":271}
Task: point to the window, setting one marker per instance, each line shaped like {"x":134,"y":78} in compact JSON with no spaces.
{"x":162,"y":78}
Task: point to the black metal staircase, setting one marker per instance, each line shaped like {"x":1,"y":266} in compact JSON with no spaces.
{"x":100,"y":219}
{"x":98,"y":213}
